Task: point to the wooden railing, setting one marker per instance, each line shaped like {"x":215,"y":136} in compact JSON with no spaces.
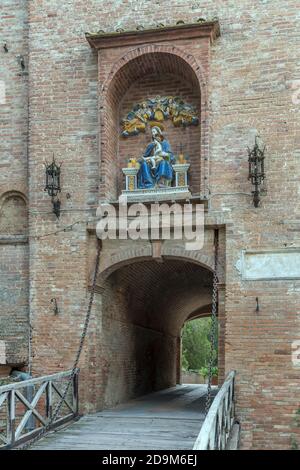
{"x":27,"y":407}
{"x":219,"y":420}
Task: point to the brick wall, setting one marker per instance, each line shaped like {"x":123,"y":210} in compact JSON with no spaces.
{"x":250,"y":72}
{"x":14,"y":328}
{"x":14,"y":287}
{"x":14,"y":109}
{"x":130,"y":351}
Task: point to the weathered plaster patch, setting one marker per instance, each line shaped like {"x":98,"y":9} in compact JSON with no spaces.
{"x":269,"y":265}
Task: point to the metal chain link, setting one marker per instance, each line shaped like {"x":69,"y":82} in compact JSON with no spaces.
{"x":214,"y":323}
{"x":75,"y":364}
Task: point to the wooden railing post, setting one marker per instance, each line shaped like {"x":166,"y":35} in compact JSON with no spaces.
{"x":49,"y":400}
{"x":11,"y":417}
{"x":75,"y":393}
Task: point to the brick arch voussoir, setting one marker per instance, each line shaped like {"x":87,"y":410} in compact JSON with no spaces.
{"x":7,"y":194}
{"x":122,"y":258}
{"x":134,"y":255}
{"x":202,"y":312}
{"x":196,"y":257}
{"x":154,"y":48}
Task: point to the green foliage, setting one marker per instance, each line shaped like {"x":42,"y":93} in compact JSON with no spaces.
{"x":297,"y":418}
{"x":204,"y":372}
{"x":294,"y":444}
{"x":184,"y":362}
{"x":196,"y":345}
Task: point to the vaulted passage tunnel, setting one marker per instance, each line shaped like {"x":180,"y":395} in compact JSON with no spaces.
{"x":144,"y":306}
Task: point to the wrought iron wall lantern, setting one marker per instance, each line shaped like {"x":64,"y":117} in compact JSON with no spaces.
{"x":256,"y":168}
{"x":53,"y":184}
{"x":55,"y":307}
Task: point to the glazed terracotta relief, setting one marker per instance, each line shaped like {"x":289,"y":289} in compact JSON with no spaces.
{"x":156,"y":110}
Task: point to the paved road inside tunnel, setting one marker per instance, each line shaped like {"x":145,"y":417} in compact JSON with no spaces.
{"x":168,"y":419}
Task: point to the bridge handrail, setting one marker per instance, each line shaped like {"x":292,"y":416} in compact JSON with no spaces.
{"x":34,"y":381}
{"x":219,"y":420}
{"x":27,"y":406}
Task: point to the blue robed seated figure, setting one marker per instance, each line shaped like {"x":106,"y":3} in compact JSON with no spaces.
{"x":156,"y":163}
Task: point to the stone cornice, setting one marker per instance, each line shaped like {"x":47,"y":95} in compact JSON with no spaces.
{"x":103,"y":40}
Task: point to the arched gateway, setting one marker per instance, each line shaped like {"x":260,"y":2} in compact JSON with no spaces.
{"x":147,"y":289}
{"x":143,"y":307}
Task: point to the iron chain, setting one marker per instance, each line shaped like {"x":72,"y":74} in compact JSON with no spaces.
{"x":214,"y":323}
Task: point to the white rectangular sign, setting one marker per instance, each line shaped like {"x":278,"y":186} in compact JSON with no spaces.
{"x":268,"y":265}
{"x":2,"y":92}
{"x":2,"y":352}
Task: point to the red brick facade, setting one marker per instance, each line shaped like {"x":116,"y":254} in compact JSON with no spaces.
{"x":243,"y":83}
{"x":14,"y":281}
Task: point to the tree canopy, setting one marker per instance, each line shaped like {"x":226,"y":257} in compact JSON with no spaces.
{"x":196,"y":344}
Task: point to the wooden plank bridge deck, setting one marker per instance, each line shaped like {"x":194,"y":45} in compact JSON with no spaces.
{"x":167,"y":420}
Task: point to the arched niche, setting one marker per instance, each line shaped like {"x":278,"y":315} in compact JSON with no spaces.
{"x":131,"y":81}
{"x":13,"y":214}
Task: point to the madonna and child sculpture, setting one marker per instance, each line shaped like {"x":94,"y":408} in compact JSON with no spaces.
{"x":157,"y":173}
{"x":156,"y":162}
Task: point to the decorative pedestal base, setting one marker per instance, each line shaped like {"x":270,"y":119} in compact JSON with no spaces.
{"x":131,"y":178}
{"x":181,"y":173}
{"x":158,"y":194}
{"x":168,"y":193}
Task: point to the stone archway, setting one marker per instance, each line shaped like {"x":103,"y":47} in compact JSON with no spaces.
{"x":143,"y":306}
